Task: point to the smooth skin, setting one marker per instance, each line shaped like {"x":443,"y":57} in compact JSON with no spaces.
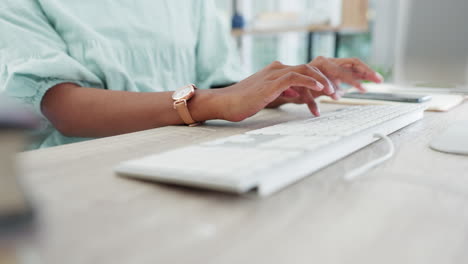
{"x":90,"y":112}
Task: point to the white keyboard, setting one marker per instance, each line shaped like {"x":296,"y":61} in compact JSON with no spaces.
{"x":268,"y":159}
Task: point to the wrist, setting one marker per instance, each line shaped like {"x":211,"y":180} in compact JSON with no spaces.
{"x":206,"y":105}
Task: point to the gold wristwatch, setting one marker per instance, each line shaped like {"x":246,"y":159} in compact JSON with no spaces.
{"x":180,"y":97}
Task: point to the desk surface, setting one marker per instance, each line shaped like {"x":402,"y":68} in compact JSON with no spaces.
{"x":412,"y":209}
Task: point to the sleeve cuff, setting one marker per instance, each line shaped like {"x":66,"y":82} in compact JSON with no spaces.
{"x":30,"y":92}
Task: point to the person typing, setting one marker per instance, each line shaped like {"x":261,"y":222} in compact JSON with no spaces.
{"x":97,"y":69}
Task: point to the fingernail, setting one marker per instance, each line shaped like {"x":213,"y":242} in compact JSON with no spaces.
{"x":319,"y":85}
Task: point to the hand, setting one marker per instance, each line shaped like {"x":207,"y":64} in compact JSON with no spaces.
{"x":278,"y":84}
{"x":336,"y":71}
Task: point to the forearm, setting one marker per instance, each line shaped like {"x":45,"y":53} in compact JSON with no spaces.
{"x":89,"y":112}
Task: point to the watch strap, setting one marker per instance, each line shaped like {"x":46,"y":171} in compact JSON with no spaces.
{"x":184,"y":113}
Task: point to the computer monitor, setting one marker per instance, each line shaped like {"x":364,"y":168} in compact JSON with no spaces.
{"x":432,"y":44}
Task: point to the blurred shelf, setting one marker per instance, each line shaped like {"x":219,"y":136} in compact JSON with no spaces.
{"x":304,"y":28}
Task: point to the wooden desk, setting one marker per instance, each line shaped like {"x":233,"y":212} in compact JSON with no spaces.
{"x":412,"y":209}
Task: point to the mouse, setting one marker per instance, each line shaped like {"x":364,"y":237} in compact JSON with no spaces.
{"x":454,"y":140}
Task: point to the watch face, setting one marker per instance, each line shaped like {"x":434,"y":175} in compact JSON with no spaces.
{"x":182,"y":92}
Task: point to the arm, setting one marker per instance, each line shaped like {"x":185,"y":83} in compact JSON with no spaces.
{"x":88,"y":112}
{"x":33,"y":57}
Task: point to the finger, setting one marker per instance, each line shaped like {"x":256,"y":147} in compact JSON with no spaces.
{"x":304,"y":99}
{"x":360,"y":69}
{"x":315,"y":73}
{"x":305,"y":69}
{"x":329,"y":83}
{"x":365,"y":73}
{"x":338,"y":91}
{"x":316,"y":94}
{"x":312,"y":105}
{"x":336,"y":96}
{"x":295,"y":100}
{"x":308,"y":99}
{"x":290,"y":93}
{"x":338,"y":83}
{"x":292,"y":79}
{"x":300,"y":90}
{"x":335,"y":72}
{"x":342,"y":74}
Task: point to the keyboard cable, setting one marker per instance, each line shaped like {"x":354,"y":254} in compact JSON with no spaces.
{"x":374,"y":163}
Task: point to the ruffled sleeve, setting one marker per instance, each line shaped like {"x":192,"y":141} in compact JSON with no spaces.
{"x":33,"y":57}
{"x":218,"y":61}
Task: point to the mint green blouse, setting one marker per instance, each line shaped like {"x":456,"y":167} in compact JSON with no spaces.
{"x":141,"y":46}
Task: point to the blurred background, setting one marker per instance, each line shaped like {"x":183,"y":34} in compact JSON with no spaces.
{"x":294,"y":31}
